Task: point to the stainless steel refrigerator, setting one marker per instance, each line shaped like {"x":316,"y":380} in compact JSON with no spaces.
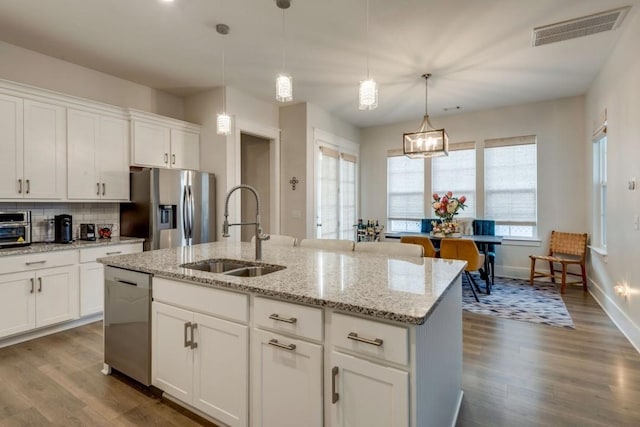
{"x":170,"y":208}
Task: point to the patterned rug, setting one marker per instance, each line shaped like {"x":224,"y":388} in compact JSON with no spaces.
{"x":517,"y":300}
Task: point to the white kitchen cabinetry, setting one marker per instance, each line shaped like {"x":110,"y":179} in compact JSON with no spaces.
{"x":162,"y":142}
{"x":92,"y":275}
{"x":198,"y":358}
{"x":32,"y":140}
{"x":98,"y":161}
{"x":34,"y":299}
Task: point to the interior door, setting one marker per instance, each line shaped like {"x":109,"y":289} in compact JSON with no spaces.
{"x":328,"y":201}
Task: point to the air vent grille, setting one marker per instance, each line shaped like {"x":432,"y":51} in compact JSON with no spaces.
{"x":579,"y":27}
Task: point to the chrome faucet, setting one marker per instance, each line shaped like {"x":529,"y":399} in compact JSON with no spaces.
{"x":259,"y":235}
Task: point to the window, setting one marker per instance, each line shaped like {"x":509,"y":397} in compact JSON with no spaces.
{"x":510,"y":185}
{"x":457,"y":173}
{"x":348,"y":195}
{"x":405,"y":193}
{"x":600,"y":186}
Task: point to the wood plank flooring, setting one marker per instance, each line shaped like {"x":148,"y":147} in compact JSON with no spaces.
{"x":515,"y":374}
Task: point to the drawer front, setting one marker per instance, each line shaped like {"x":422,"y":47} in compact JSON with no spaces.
{"x":18,"y":263}
{"x":92,"y":254}
{"x":202,"y":299}
{"x":375,"y":339}
{"x":287,"y":317}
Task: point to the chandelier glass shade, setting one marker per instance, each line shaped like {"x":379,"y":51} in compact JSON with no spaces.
{"x":284,"y":87}
{"x":368,"y":94}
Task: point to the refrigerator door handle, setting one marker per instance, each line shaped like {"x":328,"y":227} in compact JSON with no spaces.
{"x":191,"y":213}
{"x":185,"y":213}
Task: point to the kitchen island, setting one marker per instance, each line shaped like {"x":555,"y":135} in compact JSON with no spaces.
{"x":333,"y":338}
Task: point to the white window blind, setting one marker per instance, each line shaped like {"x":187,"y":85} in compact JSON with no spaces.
{"x":456,"y":173}
{"x":328,"y":194}
{"x":510,"y":170}
{"x":600,"y":185}
{"x":348,"y":195}
{"x":405,"y":193}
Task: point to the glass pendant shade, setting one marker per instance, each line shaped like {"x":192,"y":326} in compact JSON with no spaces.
{"x":368,"y":95}
{"x":223,"y":124}
{"x":427,"y":142}
{"x":284,"y":88}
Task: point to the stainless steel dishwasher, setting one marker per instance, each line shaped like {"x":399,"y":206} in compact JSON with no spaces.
{"x":127,"y":323}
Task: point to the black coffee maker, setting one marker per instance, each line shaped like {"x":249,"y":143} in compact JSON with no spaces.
{"x":63,"y":228}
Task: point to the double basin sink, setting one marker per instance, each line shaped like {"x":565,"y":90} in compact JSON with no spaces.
{"x":233,"y":267}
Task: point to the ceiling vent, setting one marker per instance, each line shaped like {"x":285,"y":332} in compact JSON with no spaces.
{"x":579,"y":27}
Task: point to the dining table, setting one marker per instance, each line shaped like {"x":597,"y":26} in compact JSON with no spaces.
{"x":482,"y":241}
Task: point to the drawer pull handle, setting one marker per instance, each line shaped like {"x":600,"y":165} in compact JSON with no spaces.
{"x":35,"y":262}
{"x":353,"y":336}
{"x":275,"y":343}
{"x":187,"y":343}
{"x":194,"y":344}
{"x":277,"y":317}
{"x":334,"y":394}
{"x":114,"y":253}
{"x":33,"y":286}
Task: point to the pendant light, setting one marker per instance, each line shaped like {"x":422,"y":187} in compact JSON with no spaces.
{"x":368,"y":91}
{"x":223,"y":122}
{"x":428,"y":141}
{"x":284,"y":82}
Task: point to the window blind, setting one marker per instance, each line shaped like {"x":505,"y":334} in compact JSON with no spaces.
{"x":510,"y":170}
{"x":456,"y":173}
{"x":405,"y":188}
{"x":328,"y":194}
{"x":348,"y":195}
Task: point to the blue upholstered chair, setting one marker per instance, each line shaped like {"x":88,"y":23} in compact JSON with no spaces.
{"x":486,"y":227}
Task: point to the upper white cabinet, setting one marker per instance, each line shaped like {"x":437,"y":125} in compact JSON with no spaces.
{"x":32,"y":139}
{"x":98,"y":161}
{"x":165,"y":143}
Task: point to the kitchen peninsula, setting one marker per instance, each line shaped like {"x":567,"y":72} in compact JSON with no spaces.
{"x":333,"y":338}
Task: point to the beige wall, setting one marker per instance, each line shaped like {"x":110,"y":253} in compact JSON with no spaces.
{"x":617,"y":89}
{"x":28,"y":67}
{"x":559,"y":126}
{"x":255,"y":157}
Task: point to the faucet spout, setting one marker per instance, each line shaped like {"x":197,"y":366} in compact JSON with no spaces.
{"x":259,"y":236}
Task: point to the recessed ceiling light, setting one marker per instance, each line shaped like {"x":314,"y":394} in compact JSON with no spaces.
{"x":167,"y":1}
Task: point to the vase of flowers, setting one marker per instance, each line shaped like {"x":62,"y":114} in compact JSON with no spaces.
{"x":446,"y":208}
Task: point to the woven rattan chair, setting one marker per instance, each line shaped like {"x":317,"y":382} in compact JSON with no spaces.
{"x":564,"y":249}
{"x":466,"y":250}
{"x":425,"y":242}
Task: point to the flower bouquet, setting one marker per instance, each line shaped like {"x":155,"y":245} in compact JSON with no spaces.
{"x":446,"y":208}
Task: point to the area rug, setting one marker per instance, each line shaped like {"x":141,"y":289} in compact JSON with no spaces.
{"x":517,"y":300}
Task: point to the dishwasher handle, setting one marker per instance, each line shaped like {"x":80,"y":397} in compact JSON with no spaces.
{"x":126,"y":282}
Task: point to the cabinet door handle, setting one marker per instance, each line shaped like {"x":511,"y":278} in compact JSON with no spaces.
{"x":334,"y":394}
{"x":33,"y":286}
{"x":173,"y":159}
{"x":39,"y":284}
{"x":28,"y":186}
{"x":20,"y":186}
{"x":274,"y":342}
{"x":275,"y":316}
{"x":377,"y":341}
{"x":166,"y":157}
{"x":35,"y":262}
{"x":104,"y":188}
{"x":194,"y":344}
{"x":114,"y":253}
{"x":98,"y":186}
{"x":187,"y":343}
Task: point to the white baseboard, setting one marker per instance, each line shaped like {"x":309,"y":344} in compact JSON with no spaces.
{"x":622,"y":321}
{"x":27,"y":336}
{"x":513,"y":272}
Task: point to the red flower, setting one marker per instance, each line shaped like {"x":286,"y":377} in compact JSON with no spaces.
{"x":462,"y":199}
{"x":436,"y":197}
{"x":449,"y":194}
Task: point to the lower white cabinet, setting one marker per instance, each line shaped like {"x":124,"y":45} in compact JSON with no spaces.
{"x":367,"y":394}
{"x":286,"y":381}
{"x":91,"y":288}
{"x":201,"y":360}
{"x":39,"y":298}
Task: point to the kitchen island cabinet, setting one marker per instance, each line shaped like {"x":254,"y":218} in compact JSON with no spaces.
{"x":346,"y":342}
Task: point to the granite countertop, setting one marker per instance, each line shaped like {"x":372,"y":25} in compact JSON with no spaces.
{"x":41,"y":247}
{"x":401,"y":289}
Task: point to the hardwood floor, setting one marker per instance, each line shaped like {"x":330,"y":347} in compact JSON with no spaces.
{"x":515,"y":374}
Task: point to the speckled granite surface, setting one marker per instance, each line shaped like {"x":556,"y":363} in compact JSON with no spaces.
{"x":400,"y":289}
{"x":36,"y":248}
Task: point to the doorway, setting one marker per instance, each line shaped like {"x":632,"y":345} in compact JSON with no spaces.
{"x":255,"y":170}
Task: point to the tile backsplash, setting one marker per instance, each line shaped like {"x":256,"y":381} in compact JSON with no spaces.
{"x":92,"y":213}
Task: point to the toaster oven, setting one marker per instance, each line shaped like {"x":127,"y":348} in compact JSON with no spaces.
{"x":15,"y":229}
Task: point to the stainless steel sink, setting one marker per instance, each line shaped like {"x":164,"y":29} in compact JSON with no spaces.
{"x":233,"y":267}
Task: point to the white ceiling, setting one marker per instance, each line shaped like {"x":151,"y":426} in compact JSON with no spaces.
{"x":479,"y":51}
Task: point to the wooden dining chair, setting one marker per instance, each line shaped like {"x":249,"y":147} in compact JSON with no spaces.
{"x":390,"y":248}
{"x":564,"y":249}
{"x":487,"y":227}
{"x":466,"y":250}
{"x":429,"y":250}
{"x":327,"y":244}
